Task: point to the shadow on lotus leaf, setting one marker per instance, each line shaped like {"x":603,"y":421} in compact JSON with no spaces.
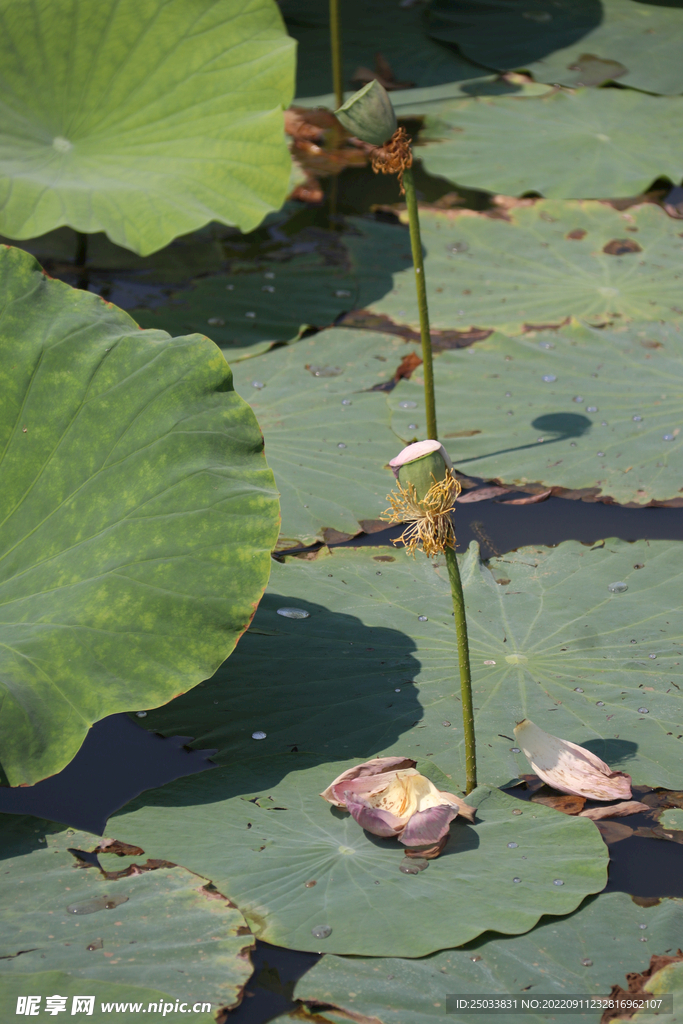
{"x":564,"y":425}
{"x":612,"y":751}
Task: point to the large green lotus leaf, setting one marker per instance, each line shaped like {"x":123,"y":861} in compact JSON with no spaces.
{"x":245,"y":313}
{"x":591,"y":143}
{"x":165,"y":932}
{"x":366,"y":27}
{"x":575,"y":408}
{"x":327,"y":440}
{"x":126,"y":1001}
{"x":142,"y":118}
{"x":138,"y":516}
{"x":549,"y":38}
{"x":364,"y":675}
{"x":608,"y":931}
{"x":279,"y":834}
{"x":544,"y":262}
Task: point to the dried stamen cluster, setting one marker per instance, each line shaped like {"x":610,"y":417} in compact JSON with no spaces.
{"x":428,"y":522}
{"x":394,"y":157}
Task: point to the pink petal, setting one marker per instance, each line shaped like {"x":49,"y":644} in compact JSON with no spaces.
{"x":428,"y":826}
{"x":416,"y":451}
{"x":368,"y":770}
{"x":380,"y":823}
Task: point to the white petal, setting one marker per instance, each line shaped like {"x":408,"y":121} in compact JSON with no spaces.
{"x":568,"y":767}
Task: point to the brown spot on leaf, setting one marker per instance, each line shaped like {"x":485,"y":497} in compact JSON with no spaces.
{"x":636,"y":988}
{"x":372,"y":525}
{"x":621,"y":247}
{"x":577,"y":233}
{"x":566,"y":804}
{"x":332,"y":536}
{"x":383,"y":558}
{"x":651,"y":344}
{"x":119,"y":848}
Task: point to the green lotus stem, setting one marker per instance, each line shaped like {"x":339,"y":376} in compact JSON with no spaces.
{"x":465,"y":676}
{"x":416,"y":246}
{"x":335,"y":46}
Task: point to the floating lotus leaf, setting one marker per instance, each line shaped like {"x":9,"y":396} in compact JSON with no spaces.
{"x":584,"y":954}
{"x":672,"y":817}
{"x":328,"y":456}
{"x":544,"y":262}
{"x":281,"y":835}
{"x":636,"y":42}
{"x":364,"y":675}
{"x":246,"y":313}
{"x":366,"y":25}
{"x":575,"y":408}
{"x":165,"y":932}
{"x":138,"y":516}
{"x":592,"y":143}
{"x":142,"y":118}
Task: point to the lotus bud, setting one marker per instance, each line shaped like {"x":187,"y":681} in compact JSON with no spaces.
{"x":421,"y":464}
{"x":369,"y":114}
{"x":570,"y":768}
{"x":389,"y":798}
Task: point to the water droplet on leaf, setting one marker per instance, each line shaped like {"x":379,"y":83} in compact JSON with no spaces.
{"x":294,"y":613}
{"x":258,"y":735}
{"x":321,"y":931}
{"x":96,"y":903}
{"x":413,"y":865}
{"x":617,"y":588}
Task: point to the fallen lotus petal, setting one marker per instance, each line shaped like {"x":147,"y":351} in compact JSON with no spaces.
{"x":388,"y":797}
{"x":568,"y":767}
{"x":616,"y":811}
{"x":429,"y":826}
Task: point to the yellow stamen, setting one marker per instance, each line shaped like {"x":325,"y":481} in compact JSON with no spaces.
{"x":428,"y":522}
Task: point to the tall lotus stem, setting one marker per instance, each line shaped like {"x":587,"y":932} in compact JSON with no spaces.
{"x":416,"y":246}
{"x":336,"y":49}
{"x":338,"y":89}
{"x":369,"y":115}
{"x":425,"y":501}
{"x":464,"y":663}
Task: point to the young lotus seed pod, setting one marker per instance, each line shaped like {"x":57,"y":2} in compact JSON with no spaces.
{"x":421,"y":464}
{"x":369,"y":114}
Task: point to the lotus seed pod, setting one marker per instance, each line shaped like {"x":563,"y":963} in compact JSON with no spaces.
{"x":421,"y":464}
{"x":369,"y":114}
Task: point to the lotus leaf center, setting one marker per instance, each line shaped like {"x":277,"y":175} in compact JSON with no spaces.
{"x":516,"y":659}
{"x":61,"y":144}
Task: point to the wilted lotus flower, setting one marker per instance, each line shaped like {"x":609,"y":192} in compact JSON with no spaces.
{"x":388,"y":797}
{"x":570,"y":768}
